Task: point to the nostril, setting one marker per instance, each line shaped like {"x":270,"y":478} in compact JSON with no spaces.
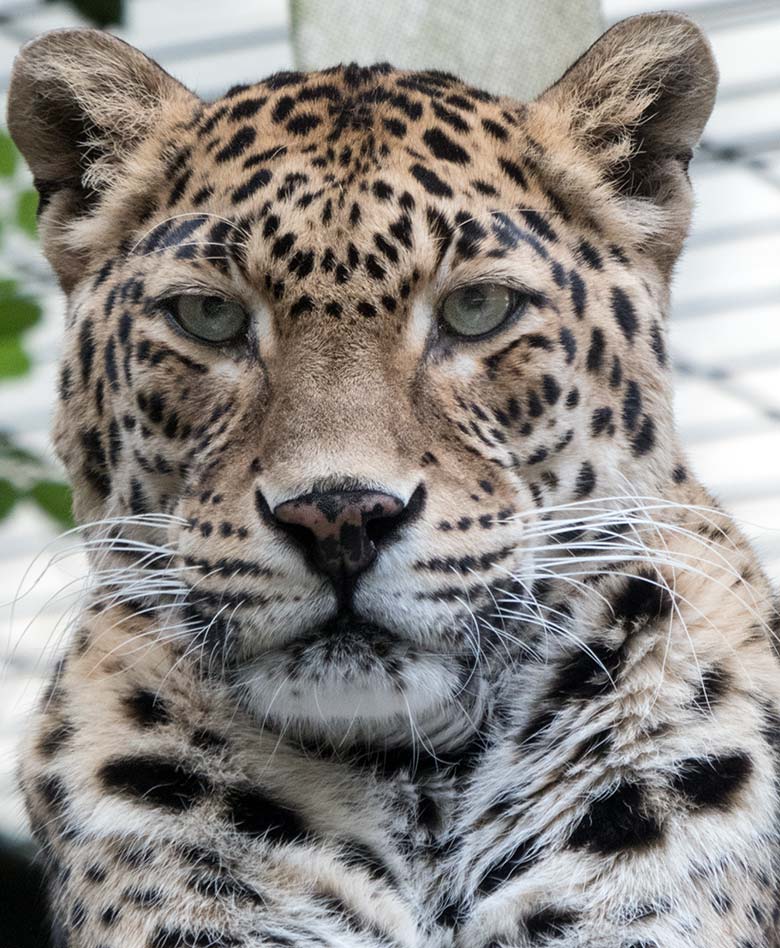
{"x":385,"y":527}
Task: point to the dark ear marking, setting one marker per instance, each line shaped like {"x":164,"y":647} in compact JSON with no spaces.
{"x":638,"y":100}
{"x":78,"y":97}
{"x":79,"y":103}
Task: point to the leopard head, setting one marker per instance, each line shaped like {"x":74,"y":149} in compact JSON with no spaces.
{"x":339,"y":344}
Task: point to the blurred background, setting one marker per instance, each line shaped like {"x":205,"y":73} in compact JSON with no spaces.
{"x":725,"y":332}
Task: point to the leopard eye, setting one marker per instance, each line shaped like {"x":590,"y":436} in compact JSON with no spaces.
{"x":480,"y":308}
{"x":209,"y":318}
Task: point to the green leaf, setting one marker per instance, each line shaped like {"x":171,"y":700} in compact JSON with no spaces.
{"x":7,"y":288}
{"x":17,"y":313}
{"x":11,"y":452}
{"x":8,"y":155}
{"x":8,"y":497}
{"x":55,"y":500}
{"x":101,"y":12}
{"x":27,"y":212}
{"x":14,"y":361}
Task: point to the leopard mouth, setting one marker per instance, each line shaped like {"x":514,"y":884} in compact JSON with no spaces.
{"x":347,"y":626}
{"x":345,"y":639}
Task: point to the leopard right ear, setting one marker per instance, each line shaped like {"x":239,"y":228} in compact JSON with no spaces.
{"x":79,"y":105}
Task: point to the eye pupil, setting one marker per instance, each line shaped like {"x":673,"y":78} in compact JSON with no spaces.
{"x":208,"y":318}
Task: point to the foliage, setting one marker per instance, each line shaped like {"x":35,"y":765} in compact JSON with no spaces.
{"x":100,"y":12}
{"x":23,"y":475}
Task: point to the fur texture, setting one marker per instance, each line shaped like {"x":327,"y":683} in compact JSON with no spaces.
{"x":547,"y":713}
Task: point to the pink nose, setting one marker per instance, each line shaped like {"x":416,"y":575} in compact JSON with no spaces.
{"x":339,"y":529}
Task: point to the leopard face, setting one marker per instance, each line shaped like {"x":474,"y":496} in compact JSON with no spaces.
{"x":341,"y":499}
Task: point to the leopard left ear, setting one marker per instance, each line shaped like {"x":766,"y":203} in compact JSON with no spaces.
{"x":638,"y":100}
{"x":80,"y":105}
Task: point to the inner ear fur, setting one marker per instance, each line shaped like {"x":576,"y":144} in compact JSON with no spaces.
{"x":79,"y":103}
{"x":638,"y":100}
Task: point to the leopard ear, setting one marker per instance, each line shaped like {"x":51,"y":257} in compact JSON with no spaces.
{"x":80,"y":101}
{"x":638,"y":100}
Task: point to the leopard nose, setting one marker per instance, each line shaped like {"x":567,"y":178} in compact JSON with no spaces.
{"x":339,"y":530}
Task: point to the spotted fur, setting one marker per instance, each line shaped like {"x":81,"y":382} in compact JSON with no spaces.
{"x":544,"y":710}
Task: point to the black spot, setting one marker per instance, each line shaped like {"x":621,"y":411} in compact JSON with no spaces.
{"x":471,"y":235}
{"x":600,"y":420}
{"x":632,"y":404}
{"x":95,"y":462}
{"x":551,"y":389}
{"x":642,"y":599}
{"x":301,"y":264}
{"x":395,"y":126}
{"x":179,"y":187}
{"x":616,"y":373}
{"x":367,"y":309}
{"x":252,"y":812}
{"x":302,"y":124}
{"x":657,"y":342}
{"x":586,"y":673}
{"x":282,"y":109}
{"x":96,"y":873}
{"x":362,"y":856}
{"x":713,"y":684}
{"x":110,"y":915}
{"x":538,"y":223}
{"x":616,"y":822}
{"x":484,"y":188}
{"x":579,"y":294}
{"x":569,"y":344}
{"x":519,"y":860}
{"x":623,"y":310}
{"x":712,"y":781}
{"x":237,"y":145}
{"x":86,"y":349}
{"x":283,"y":245}
{"x":304,"y":304}
{"x":258,"y":180}
{"x":386,"y":248}
{"x":432,"y":183}
{"x":496,"y":129}
{"x":146,"y":708}
{"x":596,"y":351}
{"x":382,"y":190}
{"x":189,"y":938}
{"x":156,"y":780}
{"x":451,"y":118}
{"x":548,"y":923}
{"x":586,"y":480}
{"x":374,"y":268}
{"x":52,"y":791}
{"x":247,"y":108}
{"x":284,"y":78}
{"x":514,"y":172}
{"x":138,"y":501}
{"x":589,"y":255}
{"x":644,"y":439}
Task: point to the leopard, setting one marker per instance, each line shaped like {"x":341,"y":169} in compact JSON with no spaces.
{"x":406,"y":622}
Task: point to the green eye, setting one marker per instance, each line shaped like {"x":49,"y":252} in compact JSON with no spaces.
{"x":209,"y":318}
{"x":478,"y":309}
